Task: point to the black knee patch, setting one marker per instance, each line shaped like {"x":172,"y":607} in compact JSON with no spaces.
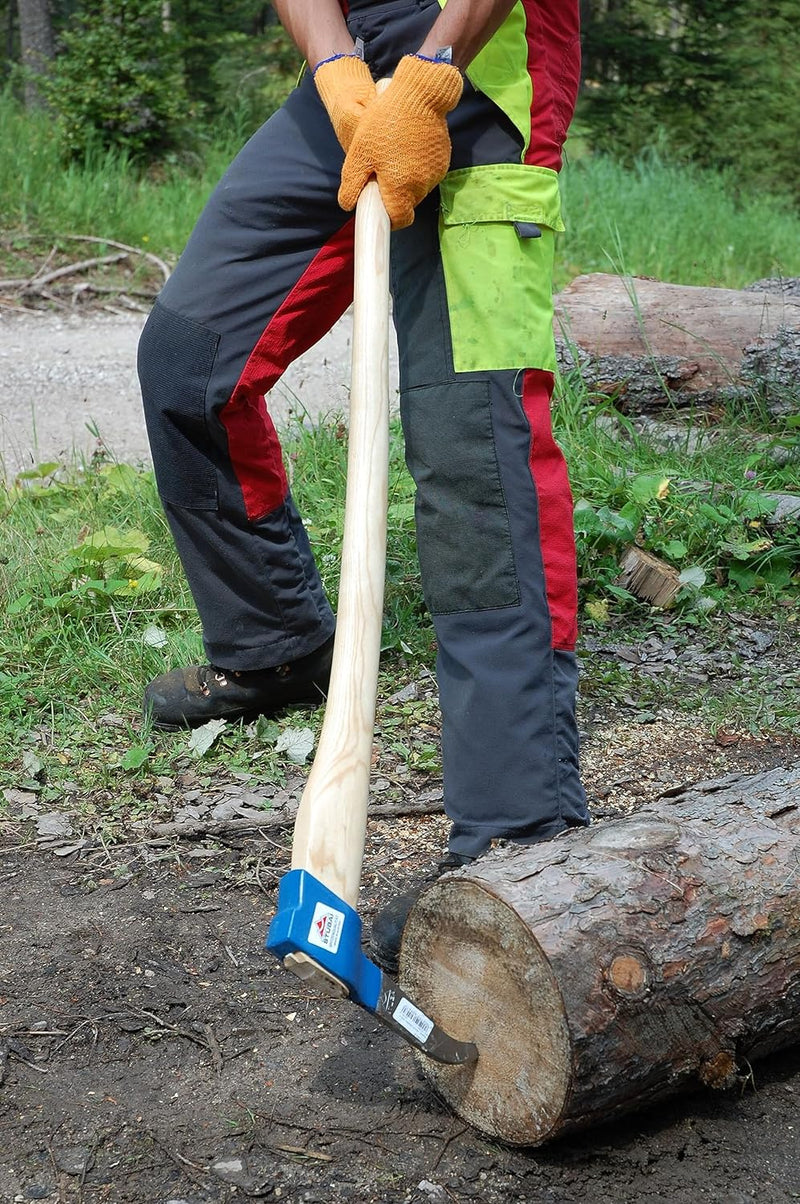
{"x":176,"y":357}
{"x":463,"y":534}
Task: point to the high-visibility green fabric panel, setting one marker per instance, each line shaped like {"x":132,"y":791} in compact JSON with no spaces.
{"x":497,"y":192}
{"x":500,"y":71}
{"x":499,"y":282}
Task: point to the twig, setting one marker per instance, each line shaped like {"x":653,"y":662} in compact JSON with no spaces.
{"x":92,"y":1020}
{"x":216,"y":827}
{"x":266,"y":890}
{"x":48,"y":260}
{"x":11,"y":1052}
{"x":446,"y":1146}
{"x":172,"y":1028}
{"x":91,"y":286}
{"x":45,"y":294}
{"x":189,"y":1168}
{"x":110,"y":242}
{"x":56,"y":1171}
{"x":34,"y":283}
{"x":303,"y":1153}
{"x":217,"y":1058}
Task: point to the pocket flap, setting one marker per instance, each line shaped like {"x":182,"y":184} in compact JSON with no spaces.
{"x":501,"y":192}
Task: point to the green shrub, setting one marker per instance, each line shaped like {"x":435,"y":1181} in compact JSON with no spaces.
{"x":251,"y":79}
{"x":118,"y":81}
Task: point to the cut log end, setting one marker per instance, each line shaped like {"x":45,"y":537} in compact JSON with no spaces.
{"x":647,"y":577}
{"x":616,"y":965}
{"x":471,"y":975}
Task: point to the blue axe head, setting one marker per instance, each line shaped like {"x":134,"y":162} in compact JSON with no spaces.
{"x":318,"y":936}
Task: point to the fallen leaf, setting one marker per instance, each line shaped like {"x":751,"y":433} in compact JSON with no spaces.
{"x":202,"y":738}
{"x":297,"y":743}
{"x":726,"y":739}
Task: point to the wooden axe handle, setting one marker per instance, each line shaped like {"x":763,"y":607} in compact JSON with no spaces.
{"x":331,"y":821}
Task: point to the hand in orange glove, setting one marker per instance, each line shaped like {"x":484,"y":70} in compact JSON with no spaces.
{"x":346,"y":87}
{"x":402,"y":138}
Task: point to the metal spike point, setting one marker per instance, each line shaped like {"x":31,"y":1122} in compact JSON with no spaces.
{"x":401,"y":1014}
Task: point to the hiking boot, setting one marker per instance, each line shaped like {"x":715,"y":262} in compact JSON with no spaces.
{"x":191,"y":696}
{"x":388,"y":925}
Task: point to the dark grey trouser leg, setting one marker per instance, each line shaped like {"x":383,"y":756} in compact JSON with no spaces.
{"x":217,"y":339}
{"x":509,"y":739}
{"x":266,"y":272}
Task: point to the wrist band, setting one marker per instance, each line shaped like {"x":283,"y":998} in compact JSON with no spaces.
{"x":443,"y":55}
{"x":334,"y":58}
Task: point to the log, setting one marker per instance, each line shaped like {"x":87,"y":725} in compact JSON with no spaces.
{"x":618,"y":964}
{"x":647,"y":344}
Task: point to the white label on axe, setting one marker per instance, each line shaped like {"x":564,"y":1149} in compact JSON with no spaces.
{"x":413,"y":1020}
{"x":326,"y":927}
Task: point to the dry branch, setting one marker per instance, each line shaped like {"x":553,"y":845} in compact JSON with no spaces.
{"x":283,"y":819}
{"x":35,"y":283}
{"x":122,"y":246}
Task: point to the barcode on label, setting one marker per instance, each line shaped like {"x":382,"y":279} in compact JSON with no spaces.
{"x":413,"y":1020}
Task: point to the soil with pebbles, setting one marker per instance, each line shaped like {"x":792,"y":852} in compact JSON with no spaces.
{"x":151,"y":1052}
{"x":68,"y":385}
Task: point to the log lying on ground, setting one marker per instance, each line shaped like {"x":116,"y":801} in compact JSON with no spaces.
{"x":645,"y":343}
{"x":617,"y":964}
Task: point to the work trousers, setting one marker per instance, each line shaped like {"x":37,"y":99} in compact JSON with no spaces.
{"x":266,"y":272}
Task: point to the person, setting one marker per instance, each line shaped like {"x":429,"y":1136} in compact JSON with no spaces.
{"x":466,"y":144}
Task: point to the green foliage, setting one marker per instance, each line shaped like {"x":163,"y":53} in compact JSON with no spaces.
{"x":655,"y":218}
{"x":672,"y":221}
{"x":101,"y":193}
{"x":706,"y":514}
{"x":118,"y":81}
{"x":251,"y":79}
{"x":712,"y":80}
{"x":80,"y":635}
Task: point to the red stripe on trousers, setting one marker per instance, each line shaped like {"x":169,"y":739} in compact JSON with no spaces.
{"x":554,"y":62}
{"x":556,"y":529}
{"x":318,"y":299}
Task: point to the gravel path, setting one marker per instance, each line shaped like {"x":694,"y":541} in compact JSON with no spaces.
{"x":61,"y":375}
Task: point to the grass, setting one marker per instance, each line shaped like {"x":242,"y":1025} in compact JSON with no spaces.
{"x":42,"y":198}
{"x":674,"y":222}
{"x":93,"y":603}
{"x":660,"y":219}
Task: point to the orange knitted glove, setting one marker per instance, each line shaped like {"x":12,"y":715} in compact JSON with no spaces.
{"x":403,"y":139}
{"x":345,"y":87}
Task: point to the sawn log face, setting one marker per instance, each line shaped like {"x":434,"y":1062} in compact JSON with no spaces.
{"x":614,"y":965}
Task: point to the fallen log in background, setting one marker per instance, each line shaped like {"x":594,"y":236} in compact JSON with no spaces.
{"x":646,"y":344}
{"x":617,"y":964}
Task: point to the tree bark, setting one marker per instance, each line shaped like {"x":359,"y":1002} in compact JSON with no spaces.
{"x":37,"y":45}
{"x":647,"y":344}
{"x":618,"y":964}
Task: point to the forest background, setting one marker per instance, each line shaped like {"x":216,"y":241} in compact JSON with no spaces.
{"x":714,"y":82}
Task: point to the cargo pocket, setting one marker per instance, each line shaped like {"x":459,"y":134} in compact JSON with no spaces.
{"x":496,"y":234}
{"x":176,"y":356}
{"x":463,"y":536}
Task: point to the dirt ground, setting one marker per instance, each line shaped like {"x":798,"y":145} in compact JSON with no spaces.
{"x":152,"y":1053}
